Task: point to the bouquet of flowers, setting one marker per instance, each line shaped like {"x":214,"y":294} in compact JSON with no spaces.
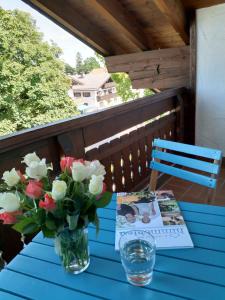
{"x":61,"y":208}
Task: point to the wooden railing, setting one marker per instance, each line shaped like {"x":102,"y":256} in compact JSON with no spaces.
{"x":105,"y":135}
{"x":121,"y":137}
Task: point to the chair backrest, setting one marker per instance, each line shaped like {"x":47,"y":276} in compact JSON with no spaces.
{"x":160,"y":155}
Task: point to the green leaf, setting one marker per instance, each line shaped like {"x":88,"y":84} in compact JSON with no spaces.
{"x":26,"y":226}
{"x":30,"y":228}
{"x":48,"y":233}
{"x":50,"y":224}
{"x":104,"y":200}
{"x":72,"y":221}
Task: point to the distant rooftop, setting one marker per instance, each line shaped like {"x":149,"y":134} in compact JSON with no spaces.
{"x":92,"y":81}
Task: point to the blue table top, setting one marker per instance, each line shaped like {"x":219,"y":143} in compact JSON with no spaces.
{"x":198,"y":273}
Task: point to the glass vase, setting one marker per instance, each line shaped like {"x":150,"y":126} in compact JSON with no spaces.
{"x":72,"y":247}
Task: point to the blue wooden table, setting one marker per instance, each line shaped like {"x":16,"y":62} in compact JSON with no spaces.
{"x":197,"y":273}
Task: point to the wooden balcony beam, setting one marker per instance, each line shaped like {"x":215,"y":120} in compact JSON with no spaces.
{"x":123,"y":22}
{"x":174,"y":12}
{"x":69,"y":18}
{"x":164,"y":68}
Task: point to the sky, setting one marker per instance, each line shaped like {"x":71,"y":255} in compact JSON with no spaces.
{"x":68,"y":43}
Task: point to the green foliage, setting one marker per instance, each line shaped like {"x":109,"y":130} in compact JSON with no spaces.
{"x":79,"y":64}
{"x":86,"y":66}
{"x":148,"y":92}
{"x":33,"y":84}
{"x":69,"y":70}
{"x":90,"y":63}
{"x":124,"y":87}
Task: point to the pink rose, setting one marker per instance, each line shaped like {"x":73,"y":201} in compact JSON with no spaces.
{"x":48,"y":204}
{"x":9,"y":218}
{"x":34,"y":189}
{"x":66,"y":163}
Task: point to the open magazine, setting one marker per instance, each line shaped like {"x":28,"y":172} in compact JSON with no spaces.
{"x":156,"y":212}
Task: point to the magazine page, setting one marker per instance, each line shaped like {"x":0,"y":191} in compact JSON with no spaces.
{"x":157,"y":213}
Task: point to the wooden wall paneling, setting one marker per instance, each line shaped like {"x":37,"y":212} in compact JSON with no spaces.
{"x":143,"y":155}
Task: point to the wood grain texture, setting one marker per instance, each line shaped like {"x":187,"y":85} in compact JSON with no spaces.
{"x":162,"y":69}
{"x":174,"y":12}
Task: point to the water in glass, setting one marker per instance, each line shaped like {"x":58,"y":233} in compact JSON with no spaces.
{"x":137,"y":249}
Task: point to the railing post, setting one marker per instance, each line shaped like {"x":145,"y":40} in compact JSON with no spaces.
{"x":72,"y":143}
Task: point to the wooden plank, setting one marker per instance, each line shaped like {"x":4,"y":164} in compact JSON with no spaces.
{"x":161,"y":82}
{"x":34,"y":288}
{"x":180,"y":173}
{"x":29,"y":136}
{"x":169,"y":57}
{"x":100,"y":286}
{"x":187,"y":162}
{"x":106,"y":263}
{"x":117,"y":123}
{"x":174,"y":12}
{"x":74,"y":22}
{"x":189,"y":149}
{"x":121,"y":21}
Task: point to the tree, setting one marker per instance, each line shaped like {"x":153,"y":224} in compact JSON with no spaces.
{"x":90,"y":64}
{"x":79,"y":69}
{"x":124,"y":87}
{"x":33,"y":84}
{"x":69,"y":70}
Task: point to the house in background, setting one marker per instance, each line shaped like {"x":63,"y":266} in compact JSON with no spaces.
{"x":94,"y":90}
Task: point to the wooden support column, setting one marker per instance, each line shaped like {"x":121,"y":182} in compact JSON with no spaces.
{"x":192,"y":76}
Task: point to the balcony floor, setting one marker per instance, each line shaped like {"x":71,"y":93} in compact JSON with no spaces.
{"x":191,"y":192}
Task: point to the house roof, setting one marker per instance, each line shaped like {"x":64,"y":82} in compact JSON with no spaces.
{"x":92,"y":81}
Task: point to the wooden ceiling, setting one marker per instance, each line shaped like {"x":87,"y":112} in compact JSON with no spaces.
{"x":113,"y":27}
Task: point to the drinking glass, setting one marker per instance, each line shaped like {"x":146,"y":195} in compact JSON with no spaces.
{"x":137,"y":251}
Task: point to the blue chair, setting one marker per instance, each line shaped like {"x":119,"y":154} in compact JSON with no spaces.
{"x":177,"y":160}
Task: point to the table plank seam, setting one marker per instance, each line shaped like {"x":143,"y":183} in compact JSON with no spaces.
{"x":15,"y":294}
{"x":101,"y":276}
{"x":160,"y":254}
{"x":118,"y":262}
{"x":57,"y":284}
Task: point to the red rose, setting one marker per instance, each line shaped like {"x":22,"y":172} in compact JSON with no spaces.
{"x":34,"y":189}
{"x":22,"y":178}
{"x":48,"y":204}
{"x":66,"y":163}
{"x":81,"y":160}
{"x":9,"y":218}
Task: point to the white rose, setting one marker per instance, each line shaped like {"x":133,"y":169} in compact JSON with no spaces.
{"x":96,"y":168}
{"x":96,"y":184}
{"x":79,"y":171}
{"x":9,"y":202}
{"x":37,"y":170}
{"x":31,"y":157}
{"x":59,"y":188}
{"x":11,"y":178}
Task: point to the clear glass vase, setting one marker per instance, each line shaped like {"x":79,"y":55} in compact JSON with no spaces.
{"x":72,"y":247}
